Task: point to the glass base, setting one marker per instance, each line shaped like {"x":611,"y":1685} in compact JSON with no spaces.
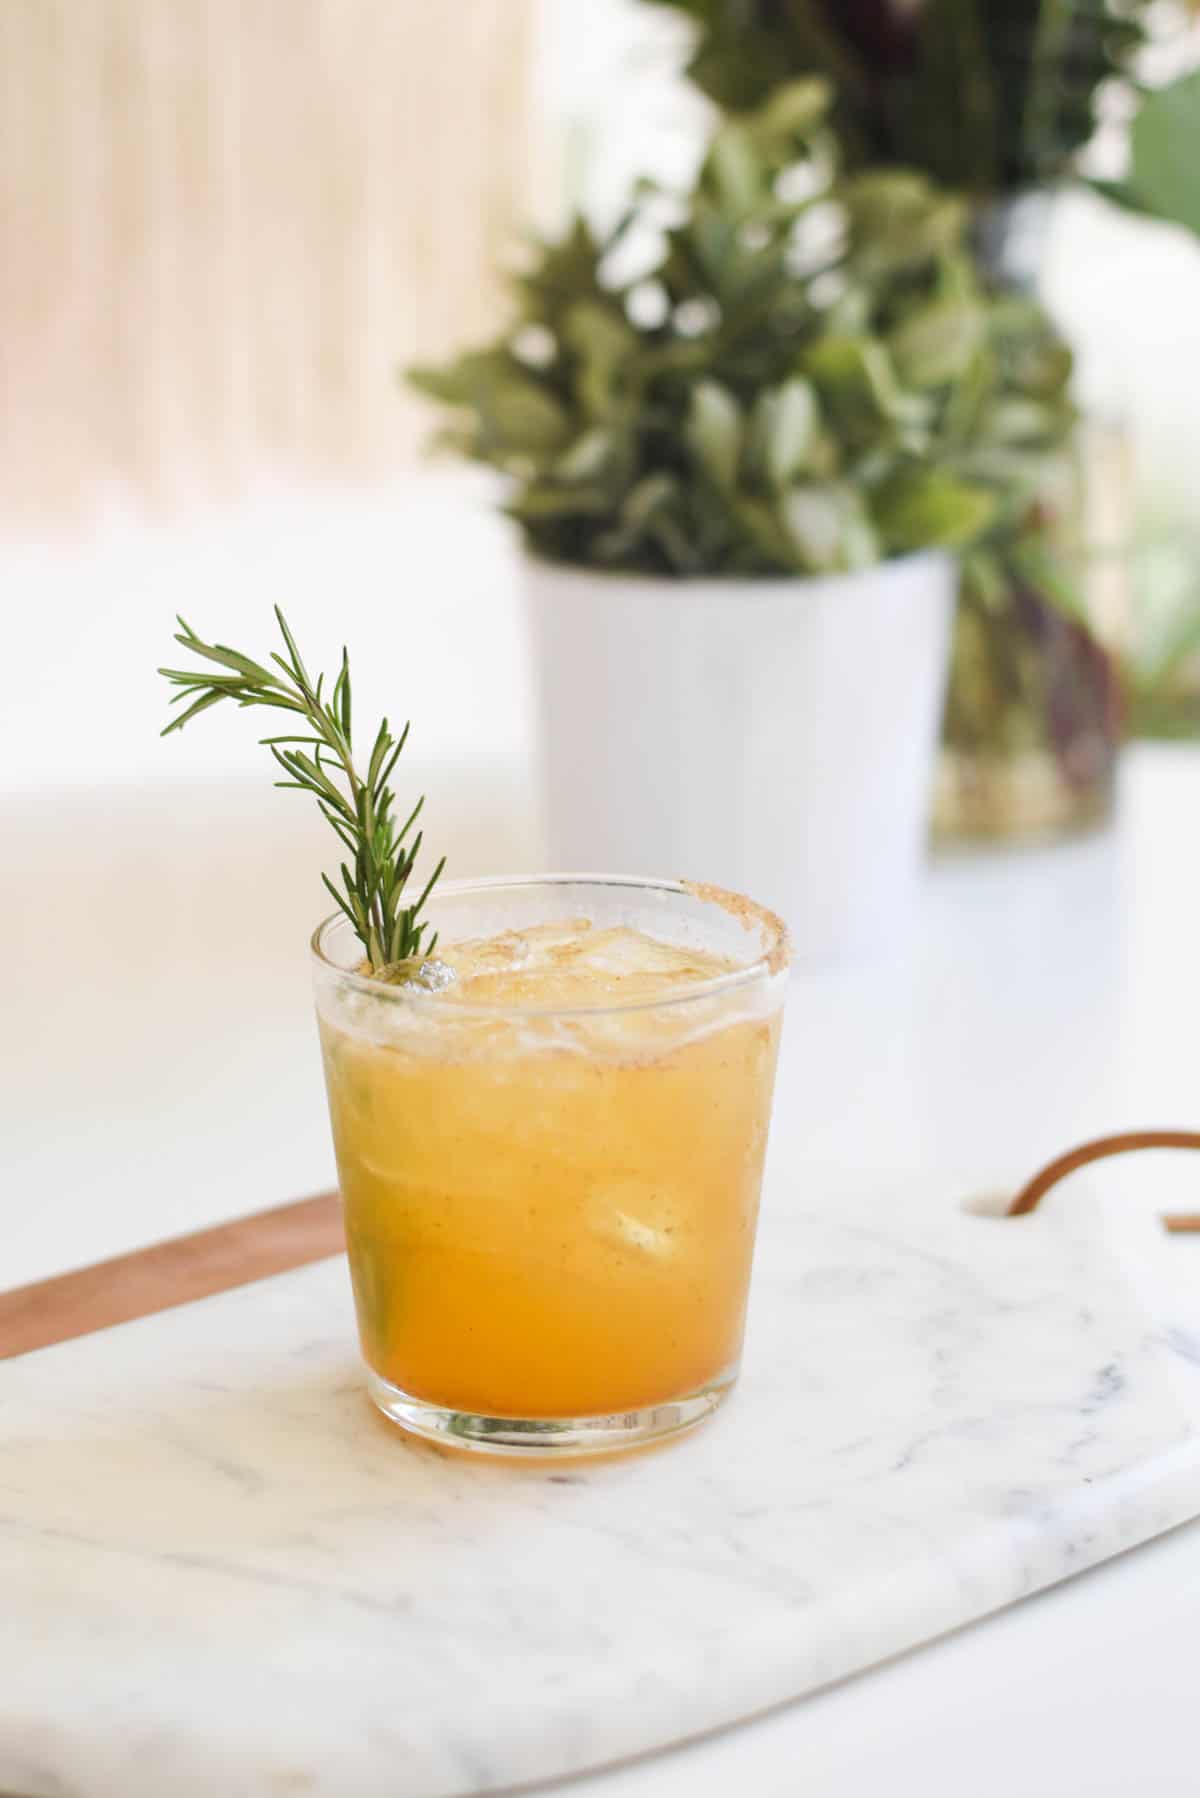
{"x":543,"y":1437}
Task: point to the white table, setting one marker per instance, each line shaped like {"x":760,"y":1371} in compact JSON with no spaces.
{"x":1049,"y":996}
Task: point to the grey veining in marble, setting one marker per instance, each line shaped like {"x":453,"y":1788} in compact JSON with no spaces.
{"x":220,"y":1572}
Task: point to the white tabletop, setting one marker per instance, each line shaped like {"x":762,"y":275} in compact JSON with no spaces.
{"x":157,"y":1078}
{"x":1051,"y":996}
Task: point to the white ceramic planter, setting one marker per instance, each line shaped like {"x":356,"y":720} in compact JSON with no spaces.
{"x":773,"y":736}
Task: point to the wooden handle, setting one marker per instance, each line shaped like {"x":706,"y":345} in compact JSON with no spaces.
{"x":170,"y":1273}
{"x":1099,"y":1150}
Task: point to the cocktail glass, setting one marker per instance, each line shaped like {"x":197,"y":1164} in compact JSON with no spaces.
{"x":550,"y":1165}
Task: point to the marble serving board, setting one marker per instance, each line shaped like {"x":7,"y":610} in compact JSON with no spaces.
{"x":221,"y":1572}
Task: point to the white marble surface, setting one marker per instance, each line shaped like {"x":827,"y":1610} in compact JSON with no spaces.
{"x":221,"y":1573}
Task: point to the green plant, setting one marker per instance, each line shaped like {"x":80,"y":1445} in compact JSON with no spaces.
{"x":1164,"y":175}
{"x":801,"y":371}
{"x":989,"y":96}
{"x":358,"y":806}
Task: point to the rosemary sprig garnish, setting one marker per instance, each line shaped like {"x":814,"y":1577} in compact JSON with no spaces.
{"x":320,"y":761}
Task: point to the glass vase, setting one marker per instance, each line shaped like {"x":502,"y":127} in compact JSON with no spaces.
{"x":1035,"y":712}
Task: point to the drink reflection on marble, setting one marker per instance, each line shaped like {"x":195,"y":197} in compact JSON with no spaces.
{"x":550,"y":1143}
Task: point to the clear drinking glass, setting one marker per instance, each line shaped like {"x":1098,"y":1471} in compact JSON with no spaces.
{"x":551,"y":1194}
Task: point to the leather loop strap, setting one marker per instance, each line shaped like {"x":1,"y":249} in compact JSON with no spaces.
{"x":1100,"y":1149}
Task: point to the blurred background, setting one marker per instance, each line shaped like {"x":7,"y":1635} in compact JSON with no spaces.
{"x":224,"y":230}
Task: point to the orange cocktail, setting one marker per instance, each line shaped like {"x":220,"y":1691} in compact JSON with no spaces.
{"x":550,"y":1142}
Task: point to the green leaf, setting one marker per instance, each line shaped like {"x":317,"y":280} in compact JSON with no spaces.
{"x":468,"y":379}
{"x":637,"y":512}
{"x":535,"y":502}
{"x":899,"y":221}
{"x":1122,"y":194}
{"x":924,"y":508}
{"x":764,"y":534}
{"x":850,"y":314}
{"x":856,"y":377}
{"x":515,"y":413}
{"x":561,"y":271}
{"x":588,"y":457}
{"x":523,"y":418}
{"x":783,"y":432}
{"x":882,"y":199}
{"x":1017,"y":420}
{"x":861,"y":547}
{"x":734,"y":168}
{"x":794,"y":110}
{"x":1015,"y":470}
{"x":603,"y":343}
{"x":935,"y":344}
{"x":713,"y":432}
{"x":193,"y":711}
{"x":1165,"y":174}
{"x":678,"y":548}
{"x":828,"y":528}
{"x":712,"y":243}
{"x":1044,"y":368}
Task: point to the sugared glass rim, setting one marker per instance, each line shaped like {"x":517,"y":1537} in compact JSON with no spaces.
{"x":773,"y":959}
